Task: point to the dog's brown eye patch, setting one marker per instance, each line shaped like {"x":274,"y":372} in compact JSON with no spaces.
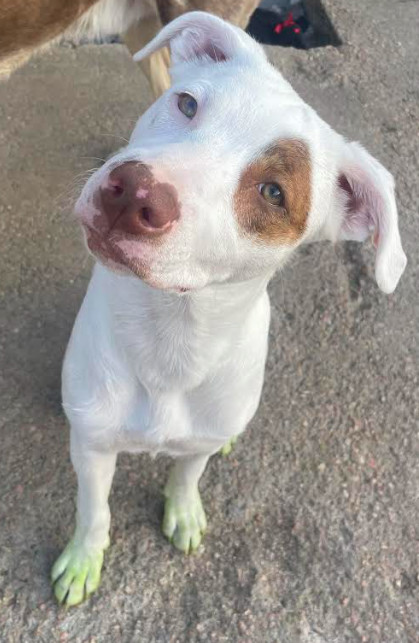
{"x":272,"y":200}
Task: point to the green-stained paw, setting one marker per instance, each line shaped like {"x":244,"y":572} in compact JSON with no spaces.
{"x":184,"y":522}
{"x":76,"y":574}
{"x":228,"y":447}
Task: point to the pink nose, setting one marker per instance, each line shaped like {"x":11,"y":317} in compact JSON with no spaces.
{"x":134,"y":202}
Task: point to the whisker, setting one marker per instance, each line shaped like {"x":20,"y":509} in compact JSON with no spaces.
{"x":94,"y":158}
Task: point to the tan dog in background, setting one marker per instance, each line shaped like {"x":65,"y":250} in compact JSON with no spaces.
{"x":29,"y":25}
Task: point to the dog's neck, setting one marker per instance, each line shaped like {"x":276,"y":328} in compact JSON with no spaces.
{"x":211,"y":309}
{"x":209,"y":306}
{"x":173,"y":341}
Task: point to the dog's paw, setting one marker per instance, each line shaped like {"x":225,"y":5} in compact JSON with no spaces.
{"x":76,"y":574}
{"x":228,"y":447}
{"x":184,"y":522}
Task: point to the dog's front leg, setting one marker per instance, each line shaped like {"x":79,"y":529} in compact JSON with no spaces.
{"x":76,"y":573}
{"x":184,"y":521}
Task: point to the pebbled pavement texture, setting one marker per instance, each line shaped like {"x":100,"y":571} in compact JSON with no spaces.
{"x":314,"y":517}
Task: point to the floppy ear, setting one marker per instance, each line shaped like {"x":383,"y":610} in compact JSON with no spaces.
{"x":201,"y":35}
{"x":368,"y":206}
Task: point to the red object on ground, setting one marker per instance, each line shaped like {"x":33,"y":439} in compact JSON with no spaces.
{"x":288,"y":22}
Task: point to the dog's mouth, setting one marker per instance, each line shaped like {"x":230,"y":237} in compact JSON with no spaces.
{"x":111,"y":252}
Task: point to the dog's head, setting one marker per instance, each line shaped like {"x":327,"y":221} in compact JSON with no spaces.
{"x":229,"y":171}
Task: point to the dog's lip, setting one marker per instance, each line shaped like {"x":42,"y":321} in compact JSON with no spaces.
{"x":152,"y":233}
{"x":97,"y":243}
{"x":102,"y":247}
{"x":93,"y":234}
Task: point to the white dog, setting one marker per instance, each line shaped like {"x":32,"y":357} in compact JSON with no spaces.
{"x":223,"y":178}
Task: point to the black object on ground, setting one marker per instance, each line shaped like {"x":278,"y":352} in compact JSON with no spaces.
{"x":303,"y":24}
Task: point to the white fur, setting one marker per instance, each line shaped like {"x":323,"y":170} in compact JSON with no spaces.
{"x":149,"y":369}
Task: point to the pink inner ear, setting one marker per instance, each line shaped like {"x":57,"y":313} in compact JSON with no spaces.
{"x":353,"y":203}
{"x":360,"y":215}
{"x":198,"y":44}
{"x":214,"y":52}
{"x":345,"y":186}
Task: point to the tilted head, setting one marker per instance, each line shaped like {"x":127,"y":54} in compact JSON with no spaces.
{"x":229,"y":171}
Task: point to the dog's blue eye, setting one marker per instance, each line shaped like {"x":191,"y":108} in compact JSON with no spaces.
{"x":187,"y":105}
{"x":272,"y":193}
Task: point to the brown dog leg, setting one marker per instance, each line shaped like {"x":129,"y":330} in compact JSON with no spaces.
{"x":26,"y":25}
{"x":156,"y":67}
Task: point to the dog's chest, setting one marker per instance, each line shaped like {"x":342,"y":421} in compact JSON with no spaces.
{"x":184,"y":361}
{"x":174,"y":359}
{"x":150,"y":372}
{"x":167,"y":347}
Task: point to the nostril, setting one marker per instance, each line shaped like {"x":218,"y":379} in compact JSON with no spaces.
{"x":115,"y":186}
{"x":145,"y":215}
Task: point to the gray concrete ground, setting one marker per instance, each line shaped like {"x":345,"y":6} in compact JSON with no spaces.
{"x":314,"y":518}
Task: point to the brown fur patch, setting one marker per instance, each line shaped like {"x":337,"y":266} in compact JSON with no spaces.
{"x":286,"y":163}
{"x":27,"y":24}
